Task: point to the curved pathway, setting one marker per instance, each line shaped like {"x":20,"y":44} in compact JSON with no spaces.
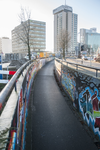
{"x":54,"y":126}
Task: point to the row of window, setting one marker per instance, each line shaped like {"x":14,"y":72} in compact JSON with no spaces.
{"x":32,"y":43}
{"x":21,"y":47}
{"x":18,"y":41}
{"x":40,"y":35}
{"x":31,"y":30}
{"x":36,"y":38}
{"x":34,"y":34}
{"x":37,"y":31}
{"x":38,"y":42}
{"x":36,"y":23}
{"x":41,"y":46}
{"x":32,"y":27}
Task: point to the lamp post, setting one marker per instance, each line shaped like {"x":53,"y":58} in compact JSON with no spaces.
{"x":90,"y":56}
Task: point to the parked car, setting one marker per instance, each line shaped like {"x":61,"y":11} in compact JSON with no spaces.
{"x":95,"y":57}
{"x":32,"y":57}
{"x":26,"y":57}
{"x":84,"y":58}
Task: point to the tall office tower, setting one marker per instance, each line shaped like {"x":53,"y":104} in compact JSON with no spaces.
{"x":65,"y":19}
{"x":37,"y":37}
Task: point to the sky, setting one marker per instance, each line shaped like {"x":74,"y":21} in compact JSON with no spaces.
{"x":42,"y":10}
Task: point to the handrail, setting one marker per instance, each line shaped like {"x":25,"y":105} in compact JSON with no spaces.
{"x":61,"y":61}
{"x":5,"y":92}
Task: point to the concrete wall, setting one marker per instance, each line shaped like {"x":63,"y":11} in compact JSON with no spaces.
{"x":84,"y":91}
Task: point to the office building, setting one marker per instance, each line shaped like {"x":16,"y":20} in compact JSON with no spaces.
{"x":65,"y":19}
{"x":90,"y":38}
{"x":37,"y":37}
{"x":5,"y":45}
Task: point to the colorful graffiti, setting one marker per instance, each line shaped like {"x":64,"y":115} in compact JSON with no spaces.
{"x":12,"y":142}
{"x":69,"y":84}
{"x":19,"y":115}
{"x":89,"y":103}
{"x":13,"y":134}
{"x":18,"y":128}
{"x":84,"y":91}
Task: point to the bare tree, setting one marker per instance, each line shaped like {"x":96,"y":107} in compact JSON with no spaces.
{"x":23,"y":31}
{"x":64,"y":40}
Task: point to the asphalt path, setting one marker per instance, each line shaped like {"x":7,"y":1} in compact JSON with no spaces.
{"x":54,"y":126}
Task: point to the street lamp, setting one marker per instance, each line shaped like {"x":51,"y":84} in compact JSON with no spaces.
{"x":90,"y":56}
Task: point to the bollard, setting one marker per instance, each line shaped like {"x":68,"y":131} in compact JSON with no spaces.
{"x":82,"y":61}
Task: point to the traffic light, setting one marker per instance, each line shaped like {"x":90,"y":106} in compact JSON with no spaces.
{"x":82,"y":48}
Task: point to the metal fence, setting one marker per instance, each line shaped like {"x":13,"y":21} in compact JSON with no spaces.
{"x":93,"y":71}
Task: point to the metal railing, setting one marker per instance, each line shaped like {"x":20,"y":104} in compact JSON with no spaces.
{"x":82,"y":68}
{"x":7,"y":89}
{"x":8,"y":106}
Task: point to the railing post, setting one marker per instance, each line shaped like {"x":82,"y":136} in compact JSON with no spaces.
{"x":15,"y":86}
{"x":22,"y":73}
{"x":96,"y":72}
{"x":76,"y":67}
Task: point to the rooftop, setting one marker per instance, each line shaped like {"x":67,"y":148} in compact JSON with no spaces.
{"x":62,"y":8}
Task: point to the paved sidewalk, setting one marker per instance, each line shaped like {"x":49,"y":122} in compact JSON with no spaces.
{"x":54,"y":126}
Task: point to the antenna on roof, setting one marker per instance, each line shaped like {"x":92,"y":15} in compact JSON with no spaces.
{"x":65,"y":2}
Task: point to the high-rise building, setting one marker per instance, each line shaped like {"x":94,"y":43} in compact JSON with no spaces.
{"x":37,"y":37}
{"x":90,"y":39}
{"x":65,"y":19}
{"x":5,"y":45}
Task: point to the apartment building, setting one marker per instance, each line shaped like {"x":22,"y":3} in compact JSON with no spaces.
{"x":65,"y":19}
{"x":37,"y":37}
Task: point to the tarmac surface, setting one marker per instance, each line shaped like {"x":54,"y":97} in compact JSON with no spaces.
{"x":54,"y":126}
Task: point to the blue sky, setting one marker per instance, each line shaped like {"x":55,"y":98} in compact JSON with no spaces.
{"x":42,"y":10}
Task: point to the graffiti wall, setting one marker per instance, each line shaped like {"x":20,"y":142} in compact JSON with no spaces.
{"x":13,"y":133}
{"x":84,"y":91}
{"x":89,"y":104}
{"x":68,"y":82}
{"x":18,"y":128}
